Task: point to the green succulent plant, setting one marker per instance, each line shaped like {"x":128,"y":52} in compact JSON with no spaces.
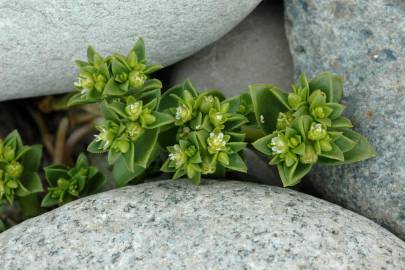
{"x":114,"y":76}
{"x":205,"y":138}
{"x":129,"y":133}
{"x":67,"y":184}
{"x":18,"y":169}
{"x":306,"y":127}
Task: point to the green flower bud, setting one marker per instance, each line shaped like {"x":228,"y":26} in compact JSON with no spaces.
{"x":310,"y":156}
{"x":191,"y":151}
{"x":121,"y":145}
{"x":8,"y":153}
{"x":74,"y":189}
{"x":134,"y":110}
{"x":223,"y":158}
{"x":290,"y":159}
{"x":317,"y":132}
{"x":14,"y":169}
{"x":134,"y":130}
{"x":319,"y":112}
{"x":63,"y":184}
{"x":85,"y":81}
{"x":121,"y":78}
{"x":178,"y":156}
{"x":148,"y":118}
{"x":294,"y":100}
{"x":183,"y":114}
{"x":12,"y":184}
{"x":208,"y":167}
{"x":284,"y":120}
{"x":136,"y":79}
{"x":294,"y":141}
{"x":217,"y":118}
{"x":216,"y":142}
{"x":279,"y":144}
{"x":207,"y":103}
{"x":325,"y":145}
{"x":100,"y":83}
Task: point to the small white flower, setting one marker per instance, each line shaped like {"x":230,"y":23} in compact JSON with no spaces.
{"x":219,"y":116}
{"x":178,"y":156}
{"x":262,"y":119}
{"x":216,"y":141}
{"x":278,"y":145}
{"x":104,"y":137}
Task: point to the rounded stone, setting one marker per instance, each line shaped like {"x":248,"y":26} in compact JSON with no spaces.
{"x":218,"y":225}
{"x":40,"y":39}
{"x":255,"y":51}
{"x":362,"y":41}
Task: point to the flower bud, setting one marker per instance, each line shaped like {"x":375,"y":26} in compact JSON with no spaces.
{"x":148,"y":118}
{"x":317,"y":132}
{"x":100,"y":83}
{"x":134,"y":130}
{"x":217,"y":118}
{"x":310,"y":156}
{"x":208,"y":167}
{"x":294,"y":141}
{"x":223,"y":158}
{"x":183,"y":114}
{"x":284,"y":120}
{"x":14,"y":169}
{"x":134,"y":110}
{"x":121,"y":78}
{"x":294,"y":100}
{"x":325,"y":145}
{"x":8,"y":153}
{"x":121,"y":145}
{"x":290,"y":159}
{"x":63,"y":184}
{"x":136,"y":79}
{"x":319,"y":112}
{"x":207,"y":103}
{"x":190,"y":151}
{"x":12,"y":184}
{"x":85,"y":81}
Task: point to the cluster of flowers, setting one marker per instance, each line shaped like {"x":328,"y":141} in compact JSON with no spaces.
{"x":205,"y":138}
{"x":309,"y":128}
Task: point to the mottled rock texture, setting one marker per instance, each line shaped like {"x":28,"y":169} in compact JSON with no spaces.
{"x":40,"y":39}
{"x":219,"y":225}
{"x":363,"y":41}
{"x":256,"y":51}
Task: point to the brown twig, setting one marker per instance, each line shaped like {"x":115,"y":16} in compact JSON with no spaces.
{"x":47,"y":138}
{"x":60,"y":141}
{"x":74,"y":138}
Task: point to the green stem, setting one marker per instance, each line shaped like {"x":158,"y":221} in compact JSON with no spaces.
{"x":252,"y":133}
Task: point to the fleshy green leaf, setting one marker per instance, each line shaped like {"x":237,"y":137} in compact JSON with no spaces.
{"x":330,"y":84}
{"x":236,"y":163}
{"x":55,"y":172}
{"x":145,"y":146}
{"x":261,"y":145}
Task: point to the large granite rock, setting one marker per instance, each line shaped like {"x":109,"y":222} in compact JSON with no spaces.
{"x":256,"y":51}
{"x":364,"y":42}
{"x":219,"y":225}
{"x":40,"y":39}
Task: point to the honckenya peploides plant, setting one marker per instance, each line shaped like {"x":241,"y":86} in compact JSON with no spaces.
{"x":306,"y":127}
{"x":184,"y":132}
{"x":205,"y":138}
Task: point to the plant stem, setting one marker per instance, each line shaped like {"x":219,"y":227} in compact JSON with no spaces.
{"x":60,"y":141}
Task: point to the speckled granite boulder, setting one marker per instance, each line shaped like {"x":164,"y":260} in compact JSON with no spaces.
{"x":40,"y":39}
{"x":219,"y":225}
{"x":364,"y":42}
{"x":256,"y":51}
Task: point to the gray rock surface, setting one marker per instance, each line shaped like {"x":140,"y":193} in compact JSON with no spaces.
{"x":219,"y":225}
{"x":256,"y":51}
{"x":364,"y":42}
{"x":40,"y":39}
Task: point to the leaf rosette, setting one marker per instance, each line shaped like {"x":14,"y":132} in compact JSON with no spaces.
{"x":205,"y":138}
{"x":67,"y":184}
{"x":306,"y":127}
{"x":18,"y":168}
